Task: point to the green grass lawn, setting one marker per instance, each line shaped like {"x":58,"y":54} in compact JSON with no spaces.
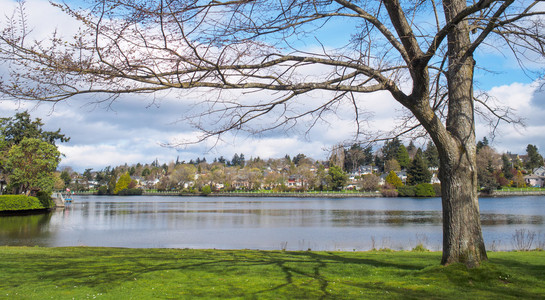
{"x":117,"y":273}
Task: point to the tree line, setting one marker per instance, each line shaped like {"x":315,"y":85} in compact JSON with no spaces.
{"x":395,"y":169}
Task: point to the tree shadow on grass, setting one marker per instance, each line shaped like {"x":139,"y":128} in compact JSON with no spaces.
{"x":275,"y":273}
{"x":292,"y":274}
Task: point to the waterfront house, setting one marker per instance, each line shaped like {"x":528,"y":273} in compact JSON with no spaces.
{"x":537,"y":178}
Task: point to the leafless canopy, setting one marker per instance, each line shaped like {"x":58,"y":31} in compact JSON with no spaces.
{"x":284,"y":46}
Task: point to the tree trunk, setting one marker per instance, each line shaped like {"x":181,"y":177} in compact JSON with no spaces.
{"x":462,"y":236}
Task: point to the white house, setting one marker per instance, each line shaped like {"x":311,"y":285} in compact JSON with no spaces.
{"x":537,"y":178}
{"x":534,"y":180}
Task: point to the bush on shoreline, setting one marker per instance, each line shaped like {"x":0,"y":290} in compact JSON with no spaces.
{"x":20,"y":202}
{"x":45,"y":199}
{"x":130,"y":192}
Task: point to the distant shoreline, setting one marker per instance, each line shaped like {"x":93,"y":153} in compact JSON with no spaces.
{"x":518,"y":193}
{"x":316,"y":194}
{"x":330,"y":194}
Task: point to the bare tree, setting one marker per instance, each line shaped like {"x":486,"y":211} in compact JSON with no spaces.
{"x":419,"y":52}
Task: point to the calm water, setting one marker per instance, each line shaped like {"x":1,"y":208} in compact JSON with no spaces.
{"x":264,"y":223}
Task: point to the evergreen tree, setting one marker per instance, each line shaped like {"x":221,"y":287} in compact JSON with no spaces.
{"x":402,"y":157}
{"x":299,"y":158}
{"x":368,"y":158}
{"x":235,"y":160}
{"x":337,"y":178}
{"x":507,"y":166}
{"x":485,"y":177}
{"x":390,"y":148}
{"x":17,"y":128}
{"x":432,"y":155}
{"x":535,"y":160}
{"x":379,"y":163}
{"x":482,"y":144}
{"x":418,"y":170}
{"x":411,"y":149}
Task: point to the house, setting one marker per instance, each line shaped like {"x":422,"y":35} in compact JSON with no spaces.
{"x":537,"y":178}
{"x":434,"y":179}
{"x":402,"y":175}
{"x":241,"y":182}
{"x":539,"y":171}
{"x":534,"y":180}
{"x":295,"y":181}
{"x":363,"y":170}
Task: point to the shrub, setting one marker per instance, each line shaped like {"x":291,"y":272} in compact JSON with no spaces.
{"x":19,"y":202}
{"x":424,"y":190}
{"x":103,"y":190}
{"x":420,"y":248}
{"x":389,"y":192}
{"x":437,"y":189}
{"x":393,"y":179}
{"x":130,"y":192}
{"x":206,"y":190}
{"x":406,"y":191}
{"x":45,"y":199}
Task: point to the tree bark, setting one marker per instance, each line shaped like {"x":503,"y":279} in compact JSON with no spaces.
{"x":462,"y":236}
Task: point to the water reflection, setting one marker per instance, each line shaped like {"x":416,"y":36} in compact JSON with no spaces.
{"x":269,"y":223}
{"x":19,"y":229}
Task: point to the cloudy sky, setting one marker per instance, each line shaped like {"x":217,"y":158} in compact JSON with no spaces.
{"x":133,"y":129}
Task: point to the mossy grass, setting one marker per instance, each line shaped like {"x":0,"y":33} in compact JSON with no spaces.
{"x":119,"y":273}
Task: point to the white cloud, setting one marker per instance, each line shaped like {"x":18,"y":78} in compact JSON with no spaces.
{"x":527,"y":101}
{"x":131,"y":129}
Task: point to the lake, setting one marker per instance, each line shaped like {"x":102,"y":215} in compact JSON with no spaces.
{"x":265,"y":223}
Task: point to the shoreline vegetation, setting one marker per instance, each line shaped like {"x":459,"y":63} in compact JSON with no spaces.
{"x":25,"y":204}
{"x":318,"y":194}
{"x":124,"y":273}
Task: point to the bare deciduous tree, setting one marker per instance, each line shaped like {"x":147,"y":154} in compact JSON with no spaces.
{"x":420,"y":52}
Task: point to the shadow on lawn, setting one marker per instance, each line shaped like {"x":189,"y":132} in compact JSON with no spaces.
{"x":281,"y":274}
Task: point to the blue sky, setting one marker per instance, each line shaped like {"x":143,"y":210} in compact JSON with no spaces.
{"x":133,"y":128}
